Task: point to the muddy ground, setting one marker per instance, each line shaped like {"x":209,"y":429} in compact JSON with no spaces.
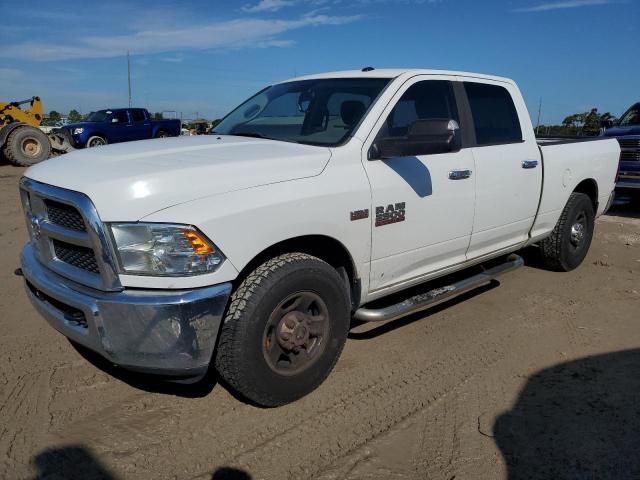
{"x":536,"y":377}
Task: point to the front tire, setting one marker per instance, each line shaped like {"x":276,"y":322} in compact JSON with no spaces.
{"x":96,"y":141}
{"x":569,"y":242}
{"x":284,"y":331}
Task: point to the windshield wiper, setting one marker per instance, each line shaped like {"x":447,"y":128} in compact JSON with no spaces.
{"x":249,"y":134}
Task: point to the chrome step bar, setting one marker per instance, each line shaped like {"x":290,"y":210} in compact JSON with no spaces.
{"x":423,"y":301}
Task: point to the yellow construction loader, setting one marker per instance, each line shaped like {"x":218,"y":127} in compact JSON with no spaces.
{"x":21,"y":141}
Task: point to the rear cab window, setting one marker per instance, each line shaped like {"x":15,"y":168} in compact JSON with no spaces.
{"x":494,"y":114}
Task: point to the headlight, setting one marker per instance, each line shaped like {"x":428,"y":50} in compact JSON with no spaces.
{"x":164,"y":249}
{"x":78,"y":131}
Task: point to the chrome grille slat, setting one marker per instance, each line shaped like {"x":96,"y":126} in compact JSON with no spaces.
{"x":68,"y":235}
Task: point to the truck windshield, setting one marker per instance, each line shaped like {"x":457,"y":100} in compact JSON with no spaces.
{"x":313,"y":112}
{"x":631,"y":117}
{"x":99,"y":116}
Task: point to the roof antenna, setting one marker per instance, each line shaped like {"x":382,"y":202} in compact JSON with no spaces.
{"x":368,"y":69}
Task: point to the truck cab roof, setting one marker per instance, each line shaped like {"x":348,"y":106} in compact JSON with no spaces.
{"x":396,"y":72}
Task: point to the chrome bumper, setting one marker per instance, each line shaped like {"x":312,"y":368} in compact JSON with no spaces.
{"x":156,"y":331}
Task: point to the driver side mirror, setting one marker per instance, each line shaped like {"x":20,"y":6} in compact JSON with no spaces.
{"x":428,"y":136}
{"x":606,"y":123}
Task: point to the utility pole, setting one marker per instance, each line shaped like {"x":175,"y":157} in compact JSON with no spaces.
{"x":129,"y":76}
{"x":538,"y":122}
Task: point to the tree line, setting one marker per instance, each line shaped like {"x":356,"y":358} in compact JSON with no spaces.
{"x":579,"y":124}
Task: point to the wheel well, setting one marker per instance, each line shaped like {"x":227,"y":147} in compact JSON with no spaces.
{"x":325,"y":248}
{"x":590,"y":188}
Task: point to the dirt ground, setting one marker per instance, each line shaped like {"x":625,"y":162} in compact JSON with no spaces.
{"x":537,"y":377}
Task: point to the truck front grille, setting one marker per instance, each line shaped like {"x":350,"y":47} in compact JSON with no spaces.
{"x":629,"y":149}
{"x":632,"y":143}
{"x":627,"y":155}
{"x":80,"y":257}
{"x":65,"y":216}
{"x":68,"y":236}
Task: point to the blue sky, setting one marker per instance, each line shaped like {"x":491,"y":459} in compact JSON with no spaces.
{"x":207,"y":56}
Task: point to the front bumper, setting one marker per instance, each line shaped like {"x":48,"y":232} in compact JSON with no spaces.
{"x":164,"y":332}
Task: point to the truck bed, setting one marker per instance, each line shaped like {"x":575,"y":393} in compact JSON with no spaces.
{"x":565,"y":161}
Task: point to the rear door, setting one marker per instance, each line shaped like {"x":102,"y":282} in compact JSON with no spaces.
{"x":140,"y":126}
{"x":508,"y":167}
{"x":422,"y":212}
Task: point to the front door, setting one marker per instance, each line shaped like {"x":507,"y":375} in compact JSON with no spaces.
{"x":423,"y":206}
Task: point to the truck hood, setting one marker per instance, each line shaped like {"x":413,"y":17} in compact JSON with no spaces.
{"x":622,"y":131}
{"x":129,"y":181}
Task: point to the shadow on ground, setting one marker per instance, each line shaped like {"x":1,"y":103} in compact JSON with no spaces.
{"x":625,"y":205}
{"x":576,"y":420}
{"x":78,"y":463}
{"x":73,"y":462}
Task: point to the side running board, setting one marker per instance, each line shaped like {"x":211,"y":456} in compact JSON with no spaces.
{"x":425,"y":300}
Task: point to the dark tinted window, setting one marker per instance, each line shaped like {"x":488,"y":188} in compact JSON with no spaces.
{"x":494,"y":114}
{"x":121,"y":115}
{"x":137,"y":115}
{"x":429,"y":99}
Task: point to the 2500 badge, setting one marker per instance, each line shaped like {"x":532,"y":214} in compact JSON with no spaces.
{"x":390,"y":214}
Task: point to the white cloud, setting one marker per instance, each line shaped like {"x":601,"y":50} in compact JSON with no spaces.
{"x":172,"y":59}
{"x":220,"y":35}
{"x":563,"y":5}
{"x":268,"y":6}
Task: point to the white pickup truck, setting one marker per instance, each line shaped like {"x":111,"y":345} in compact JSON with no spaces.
{"x":251,"y":250}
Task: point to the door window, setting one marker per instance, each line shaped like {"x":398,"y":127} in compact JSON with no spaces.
{"x":429,"y":99}
{"x":121,"y":116}
{"x":137,"y":116}
{"x":494,"y":115}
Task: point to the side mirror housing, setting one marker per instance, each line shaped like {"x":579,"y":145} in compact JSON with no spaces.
{"x":428,"y":136}
{"x":606,"y":123}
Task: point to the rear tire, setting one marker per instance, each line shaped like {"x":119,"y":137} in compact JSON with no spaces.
{"x":284,"y":330}
{"x":162,"y":134}
{"x":27,"y":146}
{"x":569,"y":242}
{"x":96,"y":141}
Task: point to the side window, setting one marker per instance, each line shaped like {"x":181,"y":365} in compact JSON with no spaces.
{"x":429,"y":99}
{"x":494,"y":114}
{"x":137,"y":116}
{"x":121,"y":115}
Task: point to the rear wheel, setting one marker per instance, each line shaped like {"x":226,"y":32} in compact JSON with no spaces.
{"x":162,"y":134}
{"x":96,"y":141}
{"x":27,"y":146}
{"x":569,"y":242}
{"x":285,"y":329}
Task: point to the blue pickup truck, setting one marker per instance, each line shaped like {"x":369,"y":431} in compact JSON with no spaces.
{"x":118,"y":125}
{"x":627,"y":130}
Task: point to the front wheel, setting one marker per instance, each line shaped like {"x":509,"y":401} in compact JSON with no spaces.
{"x":285,"y":329}
{"x":96,"y":141}
{"x":569,"y":242}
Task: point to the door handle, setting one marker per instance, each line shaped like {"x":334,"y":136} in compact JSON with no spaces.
{"x":459,"y":174}
{"x":529,"y":163}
